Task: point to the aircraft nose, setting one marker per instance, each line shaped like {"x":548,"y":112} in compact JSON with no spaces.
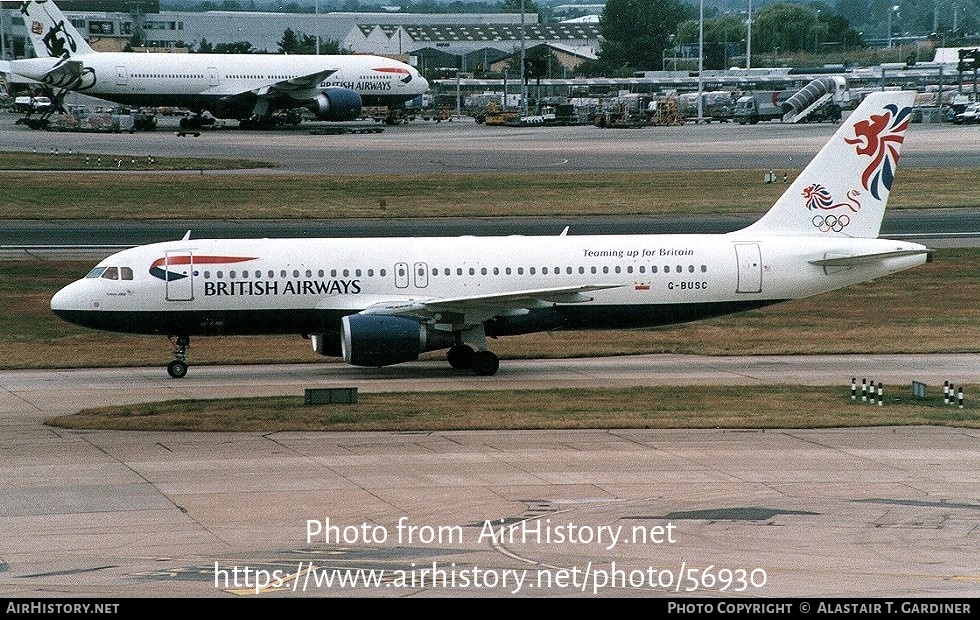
{"x":68,"y":301}
{"x":424,"y":83}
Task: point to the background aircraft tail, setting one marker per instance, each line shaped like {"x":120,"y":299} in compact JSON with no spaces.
{"x":51,"y":33}
{"x":844,"y":189}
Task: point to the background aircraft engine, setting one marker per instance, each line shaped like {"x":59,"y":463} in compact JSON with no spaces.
{"x":336,"y":104}
{"x":378,"y":340}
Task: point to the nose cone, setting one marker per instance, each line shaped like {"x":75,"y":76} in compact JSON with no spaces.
{"x":67,"y":302}
{"x":423,"y":83}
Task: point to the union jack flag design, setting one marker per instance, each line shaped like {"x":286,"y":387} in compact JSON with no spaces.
{"x":880,"y":138}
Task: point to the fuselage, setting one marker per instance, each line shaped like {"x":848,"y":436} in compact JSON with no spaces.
{"x":208,"y":81}
{"x":305,"y":286}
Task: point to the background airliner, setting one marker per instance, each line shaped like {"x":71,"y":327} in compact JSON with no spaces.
{"x":377,"y":302}
{"x":246,"y":87}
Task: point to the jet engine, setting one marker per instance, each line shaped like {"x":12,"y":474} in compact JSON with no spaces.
{"x":336,"y":104}
{"x":379,"y":340}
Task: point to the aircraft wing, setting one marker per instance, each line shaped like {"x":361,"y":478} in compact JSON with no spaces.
{"x":283,"y":87}
{"x":474,"y":309}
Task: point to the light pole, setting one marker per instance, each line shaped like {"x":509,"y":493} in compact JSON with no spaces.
{"x":523,"y":78}
{"x":700,"y":63}
{"x":891,"y":10}
{"x":748,"y":40}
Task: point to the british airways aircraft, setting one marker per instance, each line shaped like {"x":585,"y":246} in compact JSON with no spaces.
{"x":377,"y":302}
{"x":246,"y":87}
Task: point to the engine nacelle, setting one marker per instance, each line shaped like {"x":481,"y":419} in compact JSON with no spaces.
{"x":336,"y":104}
{"x":379,"y":340}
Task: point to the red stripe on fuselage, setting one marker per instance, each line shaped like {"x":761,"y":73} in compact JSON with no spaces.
{"x":200,"y":260}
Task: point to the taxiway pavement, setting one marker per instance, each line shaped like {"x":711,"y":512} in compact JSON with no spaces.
{"x":868,"y":512}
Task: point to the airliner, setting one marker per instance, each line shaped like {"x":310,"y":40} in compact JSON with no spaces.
{"x":246,"y":87}
{"x":381,"y":301}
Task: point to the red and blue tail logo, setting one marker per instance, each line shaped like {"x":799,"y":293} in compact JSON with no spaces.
{"x":880,"y":137}
{"x":157,"y":269}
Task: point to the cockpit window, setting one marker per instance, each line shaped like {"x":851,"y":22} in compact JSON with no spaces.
{"x":95,"y":273}
{"x":125,"y":273}
{"x":111,"y":273}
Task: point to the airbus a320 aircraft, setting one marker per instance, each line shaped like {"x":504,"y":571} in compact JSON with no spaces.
{"x":246,"y":87}
{"x":377,"y":302}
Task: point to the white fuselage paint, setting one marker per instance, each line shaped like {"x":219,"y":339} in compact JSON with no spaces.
{"x":183,"y":79}
{"x":351,"y":275}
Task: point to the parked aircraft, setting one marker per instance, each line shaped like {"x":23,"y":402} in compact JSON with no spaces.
{"x":377,"y":302}
{"x":246,"y":87}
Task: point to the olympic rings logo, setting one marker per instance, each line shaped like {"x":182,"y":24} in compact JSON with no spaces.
{"x":829,"y":223}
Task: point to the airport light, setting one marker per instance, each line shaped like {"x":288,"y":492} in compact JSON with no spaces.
{"x":891,"y":9}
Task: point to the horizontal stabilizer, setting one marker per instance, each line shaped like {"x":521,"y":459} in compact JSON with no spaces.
{"x":865,"y":259}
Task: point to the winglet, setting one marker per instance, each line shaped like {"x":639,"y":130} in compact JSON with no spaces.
{"x":844,"y":189}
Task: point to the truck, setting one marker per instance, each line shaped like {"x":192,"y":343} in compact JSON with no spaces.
{"x":760,"y":105}
{"x":30,"y":105}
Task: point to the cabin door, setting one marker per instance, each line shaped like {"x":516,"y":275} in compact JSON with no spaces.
{"x":749,"y":267}
{"x":179,"y":268}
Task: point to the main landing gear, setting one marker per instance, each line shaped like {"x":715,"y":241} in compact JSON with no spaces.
{"x":479,"y":359}
{"x":178,"y":367}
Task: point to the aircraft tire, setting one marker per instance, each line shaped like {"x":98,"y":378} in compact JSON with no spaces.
{"x":460,"y":357}
{"x":177,"y":369}
{"x":485,"y":363}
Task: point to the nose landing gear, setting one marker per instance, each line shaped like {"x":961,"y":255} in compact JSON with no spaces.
{"x":178,"y":368}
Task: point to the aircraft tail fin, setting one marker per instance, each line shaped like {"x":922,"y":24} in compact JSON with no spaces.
{"x":844,"y":189}
{"x":51,"y":33}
